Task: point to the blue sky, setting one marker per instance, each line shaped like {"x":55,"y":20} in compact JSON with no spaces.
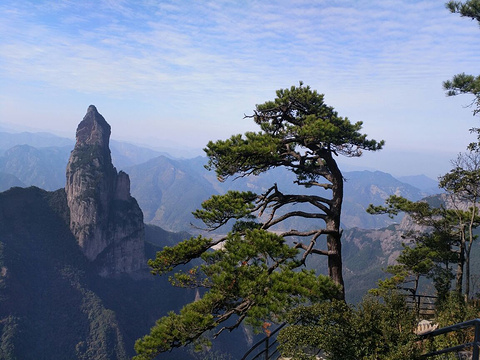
{"x":180,"y":73}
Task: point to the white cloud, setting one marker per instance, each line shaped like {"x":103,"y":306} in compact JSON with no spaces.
{"x":201,"y":42}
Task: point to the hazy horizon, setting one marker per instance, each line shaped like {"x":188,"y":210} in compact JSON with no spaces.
{"x":355,"y":164}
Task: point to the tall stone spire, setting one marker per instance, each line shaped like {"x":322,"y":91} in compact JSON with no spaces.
{"x":106,"y":221}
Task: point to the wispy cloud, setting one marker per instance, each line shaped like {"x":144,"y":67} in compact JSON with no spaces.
{"x":193,"y":55}
{"x":126,"y":47}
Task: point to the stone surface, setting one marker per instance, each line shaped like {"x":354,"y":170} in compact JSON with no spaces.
{"x":105,"y":219}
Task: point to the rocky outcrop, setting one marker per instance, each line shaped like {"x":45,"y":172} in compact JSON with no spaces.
{"x":105,"y":219}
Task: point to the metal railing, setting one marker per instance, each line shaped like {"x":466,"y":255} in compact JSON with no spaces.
{"x":269,"y":350}
{"x":472,"y":346}
{"x":423,"y":305}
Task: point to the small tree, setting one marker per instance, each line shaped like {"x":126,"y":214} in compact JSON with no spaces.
{"x":462,"y":184}
{"x":253,"y":274}
{"x":429,"y":253}
{"x":412,"y":264}
{"x":448,"y":229}
{"x":463,"y":180}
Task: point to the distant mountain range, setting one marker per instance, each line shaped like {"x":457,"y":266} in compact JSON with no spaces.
{"x":39,"y":159}
{"x":169,"y":189}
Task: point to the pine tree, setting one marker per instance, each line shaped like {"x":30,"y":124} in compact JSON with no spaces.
{"x":254,"y":273}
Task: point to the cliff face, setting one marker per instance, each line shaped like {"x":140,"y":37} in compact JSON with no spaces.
{"x":104,"y":218}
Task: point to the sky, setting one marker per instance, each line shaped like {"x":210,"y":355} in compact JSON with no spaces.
{"x":176,"y":74}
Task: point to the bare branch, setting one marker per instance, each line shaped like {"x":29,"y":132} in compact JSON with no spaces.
{"x":314,"y":183}
{"x":311,"y":251}
{"x":241,"y":309}
{"x":232,"y":327}
{"x":280,"y":199}
{"x":291,"y":214}
{"x":294,"y":232}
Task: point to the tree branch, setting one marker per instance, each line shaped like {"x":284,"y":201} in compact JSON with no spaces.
{"x":310,"y":250}
{"x":302,"y":214}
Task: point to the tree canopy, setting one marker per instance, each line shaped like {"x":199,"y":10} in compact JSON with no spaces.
{"x":470,"y":8}
{"x":380,"y":327}
{"x":301,"y":133}
{"x":298,"y":131}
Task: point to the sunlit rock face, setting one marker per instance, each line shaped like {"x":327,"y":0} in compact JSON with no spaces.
{"x":105,"y":219}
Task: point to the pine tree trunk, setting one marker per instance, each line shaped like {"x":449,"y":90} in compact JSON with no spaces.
{"x":334,"y":244}
{"x":335,"y":262}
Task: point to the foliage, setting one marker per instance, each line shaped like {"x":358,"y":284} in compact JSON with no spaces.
{"x":470,"y":8}
{"x":181,"y":253}
{"x":378,"y":328}
{"x":464,"y":84}
{"x":104,"y":332}
{"x":464,"y":179}
{"x":420,"y":211}
{"x":251,"y":277}
{"x":321,"y":326}
{"x":413,"y":262}
{"x":430,"y":253}
{"x":219,"y":209}
{"x":453,"y":310}
{"x":297,"y":118}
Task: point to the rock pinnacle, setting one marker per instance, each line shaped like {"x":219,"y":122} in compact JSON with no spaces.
{"x":106,"y":221}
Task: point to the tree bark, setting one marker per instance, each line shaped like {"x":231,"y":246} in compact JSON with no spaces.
{"x":334,"y":244}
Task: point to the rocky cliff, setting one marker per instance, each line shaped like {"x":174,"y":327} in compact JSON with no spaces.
{"x":104,"y":218}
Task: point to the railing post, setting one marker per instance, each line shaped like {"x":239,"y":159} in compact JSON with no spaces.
{"x":267,"y":344}
{"x":476,"y":339}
